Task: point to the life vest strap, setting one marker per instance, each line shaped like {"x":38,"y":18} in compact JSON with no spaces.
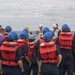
{"x":49,"y":59}
{"x":10,"y":63}
{"x":66,"y":47}
{"x":54,"y":61}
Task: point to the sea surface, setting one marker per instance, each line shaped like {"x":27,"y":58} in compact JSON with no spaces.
{"x":36,"y":36}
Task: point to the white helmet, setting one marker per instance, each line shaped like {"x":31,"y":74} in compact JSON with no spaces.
{"x":54,"y":25}
{"x":40,"y":25}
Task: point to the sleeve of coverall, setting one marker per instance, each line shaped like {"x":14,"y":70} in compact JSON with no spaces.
{"x":36,"y":47}
{"x":73,"y":47}
{"x":73,"y":42}
{"x":59,"y":32}
{"x":25,"y":50}
{"x":39,"y":56}
{"x":57,"y":41}
{"x":18,"y":55}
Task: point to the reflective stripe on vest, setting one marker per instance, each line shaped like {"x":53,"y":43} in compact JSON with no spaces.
{"x":65,"y":40}
{"x":48,"y":52}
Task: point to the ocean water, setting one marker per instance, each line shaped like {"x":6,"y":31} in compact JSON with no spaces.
{"x":18,"y":32}
{"x":36,"y":36}
{"x":34,"y":32}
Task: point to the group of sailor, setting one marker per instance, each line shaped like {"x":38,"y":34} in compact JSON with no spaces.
{"x":52,"y":54}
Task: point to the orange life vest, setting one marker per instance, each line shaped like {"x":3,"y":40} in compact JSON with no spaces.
{"x":31,"y":50}
{"x":21,"y":43}
{"x":42,"y":40}
{"x":8,"y":52}
{"x":65,"y":40}
{"x":48,"y":52}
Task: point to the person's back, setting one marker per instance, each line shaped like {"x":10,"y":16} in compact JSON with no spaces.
{"x":24,"y":49}
{"x":50,"y":56}
{"x":32,"y":54}
{"x":74,"y":52}
{"x":10,"y":57}
{"x":65,"y":41}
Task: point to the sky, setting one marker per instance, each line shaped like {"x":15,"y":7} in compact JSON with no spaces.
{"x":21,"y":13}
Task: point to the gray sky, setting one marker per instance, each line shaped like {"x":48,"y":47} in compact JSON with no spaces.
{"x":19,"y":13}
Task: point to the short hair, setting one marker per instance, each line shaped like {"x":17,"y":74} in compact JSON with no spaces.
{"x":31,"y":40}
{"x":47,"y":40}
{"x":2,"y":30}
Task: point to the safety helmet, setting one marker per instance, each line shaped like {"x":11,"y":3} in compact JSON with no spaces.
{"x":65,"y":26}
{"x":26,"y":27}
{"x":8,"y":28}
{"x":54,"y":25}
{"x":25,"y":30}
{"x":24,"y":34}
{"x":13,"y":35}
{"x":32,"y":37}
{"x":48,"y":36}
{"x":40,"y":25}
{"x":45,"y":29}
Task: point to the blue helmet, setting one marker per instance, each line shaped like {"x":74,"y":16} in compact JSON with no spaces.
{"x":24,"y":34}
{"x":48,"y":36}
{"x":32,"y":37}
{"x":51,"y":32}
{"x":45,"y":29}
{"x":8,"y":28}
{"x":25,"y":30}
{"x":65,"y":26}
{"x":13,"y":35}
